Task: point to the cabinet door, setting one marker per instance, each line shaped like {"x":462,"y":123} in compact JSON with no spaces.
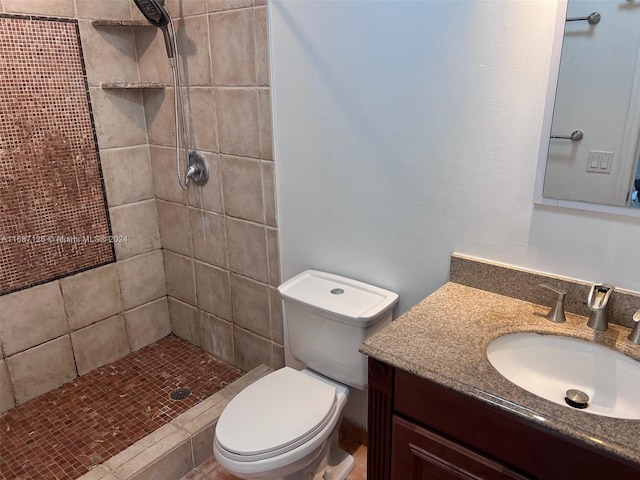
{"x":420,"y":454}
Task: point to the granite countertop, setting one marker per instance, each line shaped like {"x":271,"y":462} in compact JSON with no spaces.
{"x":444,"y":339}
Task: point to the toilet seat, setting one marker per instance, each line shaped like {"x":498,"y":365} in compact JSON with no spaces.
{"x":275,"y":415}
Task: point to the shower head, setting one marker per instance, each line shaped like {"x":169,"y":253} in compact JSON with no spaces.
{"x":158,"y":16}
{"x":154,"y":11}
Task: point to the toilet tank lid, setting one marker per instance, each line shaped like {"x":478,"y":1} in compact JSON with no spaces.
{"x":340,"y":298}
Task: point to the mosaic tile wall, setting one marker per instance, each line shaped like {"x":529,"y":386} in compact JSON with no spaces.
{"x":53,"y":215}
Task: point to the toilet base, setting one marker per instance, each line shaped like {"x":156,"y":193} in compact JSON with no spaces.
{"x":332,"y":464}
{"x":339,"y":466}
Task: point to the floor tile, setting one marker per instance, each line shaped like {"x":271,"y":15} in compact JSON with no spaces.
{"x":63,"y":433}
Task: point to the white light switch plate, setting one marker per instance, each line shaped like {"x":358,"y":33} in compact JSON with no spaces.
{"x":599,"y":162}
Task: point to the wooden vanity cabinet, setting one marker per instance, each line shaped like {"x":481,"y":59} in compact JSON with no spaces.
{"x":419,"y":453}
{"x":421,"y":430}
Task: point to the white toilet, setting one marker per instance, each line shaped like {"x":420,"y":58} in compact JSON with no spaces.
{"x":285,"y":425}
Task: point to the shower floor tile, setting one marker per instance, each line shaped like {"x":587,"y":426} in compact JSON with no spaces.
{"x":63,"y":433}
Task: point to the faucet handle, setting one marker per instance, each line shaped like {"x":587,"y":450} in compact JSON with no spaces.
{"x":556,"y":314}
{"x":634,"y":336}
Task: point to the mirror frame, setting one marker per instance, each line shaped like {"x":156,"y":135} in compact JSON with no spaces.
{"x":552,"y":83}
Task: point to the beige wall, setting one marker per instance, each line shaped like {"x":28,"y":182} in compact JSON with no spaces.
{"x":220,"y":242}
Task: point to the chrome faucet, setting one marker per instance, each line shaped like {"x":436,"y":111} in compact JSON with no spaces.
{"x":634,"y":336}
{"x":556,"y":314}
{"x":598,"y":301}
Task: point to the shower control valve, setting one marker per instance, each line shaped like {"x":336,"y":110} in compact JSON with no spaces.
{"x":197,"y":169}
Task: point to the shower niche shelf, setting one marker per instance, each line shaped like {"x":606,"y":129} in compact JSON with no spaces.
{"x":131,"y":85}
{"x":120,"y":23}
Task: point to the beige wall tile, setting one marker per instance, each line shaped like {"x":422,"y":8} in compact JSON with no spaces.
{"x":147,"y":324}
{"x":262,"y":46}
{"x":212,"y":286}
{"x":155,"y":457}
{"x":153,"y":63}
{"x":42,"y":368}
{"x":104,"y":9}
{"x":119,"y":117}
{"x":184,"y":321}
{"x":238,"y":124}
{"x":201,"y":118}
{"x":175,"y":463}
{"x":142,"y":279}
{"x":273,"y":253}
{"x":217,"y":336}
{"x":175,"y":231}
{"x":6,"y":389}
{"x":218,"y":5}
{"x":180,"y":277}
{"x":30,"y":317}
{"x":277,"y":356}
{"x":193,"y":46}
{"x":202,"y":444}
{"x":91,"y":296}
{"x":127,"y":174}
{"x":100,"y":343}
{"x":184,"y":8}
{"x":136,"y":14}
{"x":209,"y":196}
{"x":54,"y":8}
{"x":209,"y":239}
{"x":242,"y":187}
{"x":277,"y":325}
{"x":250,"y":302}
{"x":138,"y":222}
{"x":269,"y":190}
{"x":232,"y":48}
{"x":165,"y":179}
{"x":259,"y":3}
{"x":159,"y":114}
{"x":109,"y":53}
{"x":247,"y":246}
{"x":251,"y":350}
{"x":266,"y":126}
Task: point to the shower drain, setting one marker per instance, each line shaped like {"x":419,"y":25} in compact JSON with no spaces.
{"x":180,"y":393}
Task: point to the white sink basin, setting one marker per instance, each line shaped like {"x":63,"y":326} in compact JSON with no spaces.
{"x":549,"y":366}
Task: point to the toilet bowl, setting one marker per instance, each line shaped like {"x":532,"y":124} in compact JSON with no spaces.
{"x":285,"y":425}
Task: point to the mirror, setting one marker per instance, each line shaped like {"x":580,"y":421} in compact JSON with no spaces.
{"x":593,"y":148}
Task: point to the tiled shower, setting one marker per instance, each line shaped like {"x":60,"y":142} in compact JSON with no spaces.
{"x":201,"y":264}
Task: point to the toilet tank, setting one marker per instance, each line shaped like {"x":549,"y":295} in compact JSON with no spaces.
{"x":328,"y":317}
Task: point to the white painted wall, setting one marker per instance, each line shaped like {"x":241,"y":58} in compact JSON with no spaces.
{"x":406,"y":131}
{"x":595,"y":85}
